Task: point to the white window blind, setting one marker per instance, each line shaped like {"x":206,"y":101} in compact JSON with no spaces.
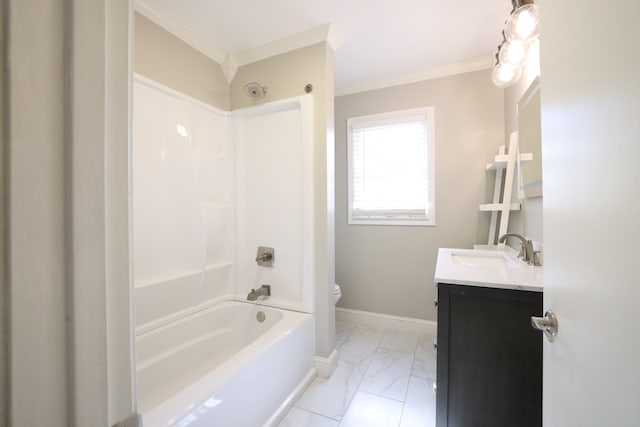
{"x":391,"y":169}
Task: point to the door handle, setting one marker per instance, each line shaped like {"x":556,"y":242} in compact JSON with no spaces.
{"x":547,"y":324}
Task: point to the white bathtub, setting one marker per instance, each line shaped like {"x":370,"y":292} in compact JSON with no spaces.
{"x":222,"y":367}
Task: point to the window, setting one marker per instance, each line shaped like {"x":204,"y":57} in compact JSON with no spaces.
{"x":391,"y":168}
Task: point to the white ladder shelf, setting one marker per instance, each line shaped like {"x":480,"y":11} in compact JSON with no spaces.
{"x":504,"y":163}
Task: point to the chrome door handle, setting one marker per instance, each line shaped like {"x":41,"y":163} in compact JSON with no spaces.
{"x":547,"y":324}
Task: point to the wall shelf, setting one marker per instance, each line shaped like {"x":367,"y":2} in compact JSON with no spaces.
{"x":490,"y":207}
{"x":504,"y":164}
{"x":501,"y":161}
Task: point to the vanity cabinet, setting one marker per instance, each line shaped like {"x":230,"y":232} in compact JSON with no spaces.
{"x":489,"y":361}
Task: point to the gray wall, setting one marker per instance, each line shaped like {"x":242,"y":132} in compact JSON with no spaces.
{"x":286,"y":76}
{"x":390,"y":269}
{"x":161,"y":56}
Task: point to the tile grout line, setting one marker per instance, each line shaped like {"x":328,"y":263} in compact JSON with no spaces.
{"x":375,"y":351}
{"x":363,"y":375}
{"x":368,"y":365}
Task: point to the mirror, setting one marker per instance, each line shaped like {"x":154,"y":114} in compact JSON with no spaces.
{"x":529,"y":135}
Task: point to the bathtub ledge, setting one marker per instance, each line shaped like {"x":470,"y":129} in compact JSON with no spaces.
{"x":290,"y":401}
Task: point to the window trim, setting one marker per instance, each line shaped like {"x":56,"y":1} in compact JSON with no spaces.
{"x":394,"y":116}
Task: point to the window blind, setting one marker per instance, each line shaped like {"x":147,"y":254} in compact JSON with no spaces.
{"x":390,"y":168}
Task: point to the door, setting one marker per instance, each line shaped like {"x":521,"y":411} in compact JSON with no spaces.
{"x":590,"y":76}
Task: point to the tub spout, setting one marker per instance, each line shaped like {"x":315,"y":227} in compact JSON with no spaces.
{"x":264,"y":290}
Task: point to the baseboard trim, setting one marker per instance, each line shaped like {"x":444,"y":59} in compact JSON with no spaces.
{"x":326,"y":365}
{"x":409,"y":324}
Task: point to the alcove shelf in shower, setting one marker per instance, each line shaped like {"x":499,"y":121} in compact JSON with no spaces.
{"x":150,"y":281}
{"x":218,"y":265}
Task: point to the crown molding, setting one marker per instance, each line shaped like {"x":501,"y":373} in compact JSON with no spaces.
{"x":334,"y":39}
{"x":229,"y":67}
{"x":183,"y":33}
{"x":231,"y":61}
{"x":438,"y":71}
{"x":287,"y":44}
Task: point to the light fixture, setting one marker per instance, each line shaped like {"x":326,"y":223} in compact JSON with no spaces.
{"x":513,"y":52}
{"x":505,"y":75}
{"x":520,"y":30}
{"x":523,"y":22}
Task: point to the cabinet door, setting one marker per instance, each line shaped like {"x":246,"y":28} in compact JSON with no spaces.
{"x":489,"y":358}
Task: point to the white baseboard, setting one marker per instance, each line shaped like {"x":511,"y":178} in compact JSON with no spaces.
{"x":387,"y":321}
{"x":326,"y":365}
{"x":288,"y":403}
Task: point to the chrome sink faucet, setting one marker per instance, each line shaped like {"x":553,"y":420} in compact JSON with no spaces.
{"x":527,"y":253}
{"x":264,"y":291}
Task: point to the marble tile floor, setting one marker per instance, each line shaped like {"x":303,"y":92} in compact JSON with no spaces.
{"x":384,"y":378}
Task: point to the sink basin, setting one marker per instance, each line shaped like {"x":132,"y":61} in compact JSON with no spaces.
{"x":489,"y":259}
{"x":494,"y":268}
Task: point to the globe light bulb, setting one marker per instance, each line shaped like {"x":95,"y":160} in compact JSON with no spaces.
{"x":513,"y":52}
{"x":523,"y":23}
{"x":505,"y":75}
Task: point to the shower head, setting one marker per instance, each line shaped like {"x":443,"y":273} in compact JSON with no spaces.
{"x":255,"y":91}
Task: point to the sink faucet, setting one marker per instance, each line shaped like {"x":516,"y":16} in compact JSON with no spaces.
{"x":526,"y":252}
{"x":264,"y":290}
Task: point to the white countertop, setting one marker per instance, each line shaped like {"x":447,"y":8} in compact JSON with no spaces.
{"x":487,"y":268}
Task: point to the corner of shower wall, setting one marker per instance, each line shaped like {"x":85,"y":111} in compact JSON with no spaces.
{"x":274,"y":201}
{"x":183,"y":213}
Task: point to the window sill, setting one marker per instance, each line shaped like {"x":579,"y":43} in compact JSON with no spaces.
{"x":423,"y":222}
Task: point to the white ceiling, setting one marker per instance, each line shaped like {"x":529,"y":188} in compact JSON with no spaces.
{"x":380,"y":42}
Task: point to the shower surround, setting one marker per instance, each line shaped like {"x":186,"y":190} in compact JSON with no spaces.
{"x":209,"y":187}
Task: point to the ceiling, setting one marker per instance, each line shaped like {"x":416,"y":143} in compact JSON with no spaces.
{"x":379,"y":42}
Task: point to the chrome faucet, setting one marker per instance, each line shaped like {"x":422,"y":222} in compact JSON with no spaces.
{"x":264,"y":291}
{"x":527,"y":253}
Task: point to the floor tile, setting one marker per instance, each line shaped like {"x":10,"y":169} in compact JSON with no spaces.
{"x":372,"y":411}
{"x":330,"y":396}
{"x":300,"y":418}
{"x":388,"y":374}
{"x":424,"y":362}
{"x":343,"y":330}
{"x":400,"y":341}
{"x":360,"y":346}
{"x":420,"y":405}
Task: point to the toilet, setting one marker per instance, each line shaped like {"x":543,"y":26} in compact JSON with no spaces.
{"x":337,"y":293}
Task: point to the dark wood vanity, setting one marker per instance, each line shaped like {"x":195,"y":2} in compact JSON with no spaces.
{"x":489,"y":361}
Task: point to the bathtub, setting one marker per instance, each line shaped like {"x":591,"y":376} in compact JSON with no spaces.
{"x":223,"y":367}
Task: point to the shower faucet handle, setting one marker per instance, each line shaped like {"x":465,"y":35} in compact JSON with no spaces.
{"x":265,"y":256}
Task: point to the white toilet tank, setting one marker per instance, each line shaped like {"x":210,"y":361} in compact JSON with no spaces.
{"x":337,"y":293}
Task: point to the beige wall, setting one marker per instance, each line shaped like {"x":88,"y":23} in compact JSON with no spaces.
{"x":67,"y":253}
{"x":37,"y":247}
{"x":390,"y":269}
{"x":527,"y":221}
{"x":4,"y":420}
{"x":161,"y":56}
{"x":285,"y":76}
